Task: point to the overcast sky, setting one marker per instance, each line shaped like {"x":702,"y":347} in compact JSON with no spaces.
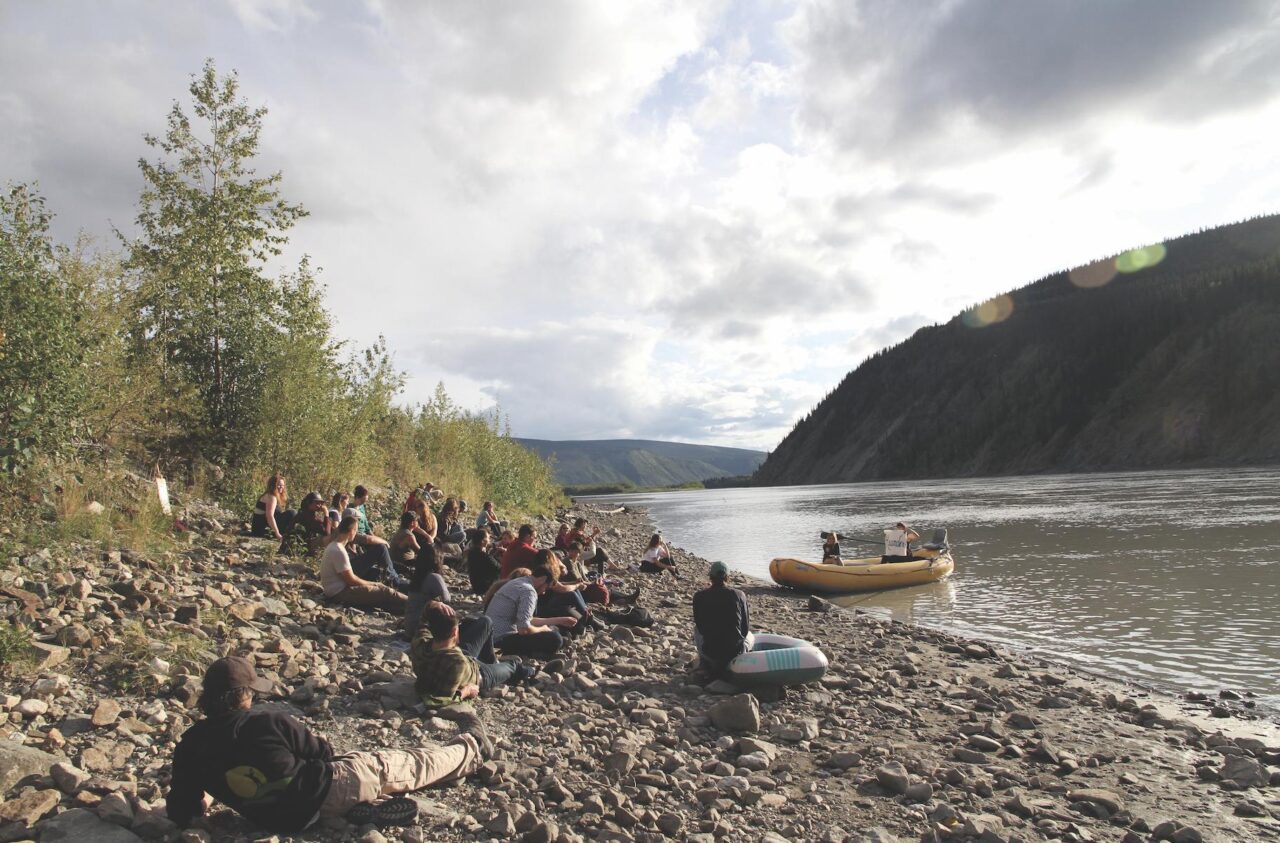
{"x":670,"y":220}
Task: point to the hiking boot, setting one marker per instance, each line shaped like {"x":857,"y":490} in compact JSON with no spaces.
{"x":554,"y":666}
{"x":469,"y":723}
{"x":525,"y":673}
{"x":595,"y":623}
{"x":394,"y":811}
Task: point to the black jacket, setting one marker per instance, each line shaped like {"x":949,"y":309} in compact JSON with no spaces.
{"x":263,"y":764}
{"x":720,"y":615}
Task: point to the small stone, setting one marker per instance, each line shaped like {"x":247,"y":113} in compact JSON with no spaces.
{"x":740,"y":713}
{"x":32,"y":707}
{"x":670,"y":824}
{"x":919,"y":792}
{"x":893,"y":777}
{"x":30,"y":806}
{"x":68,"y":777}
{"x":106,"y":712}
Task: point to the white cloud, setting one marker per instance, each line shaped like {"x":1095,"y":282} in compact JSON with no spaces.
{"x":670,"y":219}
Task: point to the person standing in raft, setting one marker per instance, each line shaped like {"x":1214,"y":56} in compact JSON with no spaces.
{"x":721,"y":629}
{"x":897,"y":543}
{"x":831,"y":549}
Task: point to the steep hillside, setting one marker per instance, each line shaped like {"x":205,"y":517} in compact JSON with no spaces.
{"x":641,"y":462}
{"x":1177,"y":364}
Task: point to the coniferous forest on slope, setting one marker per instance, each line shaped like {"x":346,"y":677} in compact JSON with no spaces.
{"x":1174,"y":365}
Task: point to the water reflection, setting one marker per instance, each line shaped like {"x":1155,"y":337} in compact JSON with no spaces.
{"x":1166,"y":577}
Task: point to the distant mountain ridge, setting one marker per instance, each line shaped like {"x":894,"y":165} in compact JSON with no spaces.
{"x":641,"y":462}
{"x":1175,"y":364}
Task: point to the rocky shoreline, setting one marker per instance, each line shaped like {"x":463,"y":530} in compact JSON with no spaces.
{"x":912,"y":735}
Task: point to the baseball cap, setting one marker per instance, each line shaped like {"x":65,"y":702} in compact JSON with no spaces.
{"x":228,"y":674}
{"x":718,"y":571}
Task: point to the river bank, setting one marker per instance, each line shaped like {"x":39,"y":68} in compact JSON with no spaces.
{"x":913,"y":734}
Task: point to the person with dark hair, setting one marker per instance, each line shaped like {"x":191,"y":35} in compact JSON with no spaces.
{"x":657,"y":558}
{"x":562,"y":537}
{"x":426,"y":585}
{"x":340,"y":582}
{"x":270,"y":518}
{"x":310,"y":530}
{"x":488,"y":520}
{"x":451,"y":534}
{"x":521,"y":554}
{"x":403,"y":544}
{"x":453,"y":660}
{"x":338,"y":506}
{"x":593,"y":555}
{"x":482,"y":568}
{"x":516,"y":630}
{"x":721,"y":628}
{"x":371,"y":554}
{"x":273,"y":770}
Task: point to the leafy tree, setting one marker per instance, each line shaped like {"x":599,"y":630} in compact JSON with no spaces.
{"x":41,"y":342}
{"x":205,"y":308}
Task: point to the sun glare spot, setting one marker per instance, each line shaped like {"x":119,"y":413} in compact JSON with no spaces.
{"x":1144,"y":258}
{"x":989,"y":312}
{"x":1093,"y":275}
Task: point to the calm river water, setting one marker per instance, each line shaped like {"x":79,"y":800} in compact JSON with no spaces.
{"x":1170,"y":578}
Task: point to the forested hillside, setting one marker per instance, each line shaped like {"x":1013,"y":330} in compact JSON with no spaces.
{"x":641,"y":462}
{"x":1162,"y":357}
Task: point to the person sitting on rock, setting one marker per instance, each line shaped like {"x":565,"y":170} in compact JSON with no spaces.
{"x":488,"y":520}
{"x":595,"y":589}
{"x":721,"y":628}
{"x":454,"y":660}
{"x":426,"y":586}
{"x":482,"y":568}
{"x":563,"y":598}
{"x":516,"y":630}
{"x":593,"y":555}
{"x":340,"y":583}
{"x":451,"y":535}
{"x":403,"y":544}
{"x":370,"y":553}
{"x":562,"y":537}
{"x":506,"y":538}
{"x":522,"y":554}
{"x":657,"y":558}
{"x":310,"y":531}
{"x":338,"y":506}
{"x":274,"y":771}
{"x":270,"y":518}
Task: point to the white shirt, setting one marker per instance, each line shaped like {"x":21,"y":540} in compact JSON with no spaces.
{"x":653,"y":554}
{"x":334,"y":561}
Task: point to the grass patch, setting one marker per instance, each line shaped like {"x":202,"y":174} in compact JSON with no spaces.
{"x":126,"y":665}
{"x":15,"y":649}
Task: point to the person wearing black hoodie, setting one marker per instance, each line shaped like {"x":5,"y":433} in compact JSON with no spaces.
{"x":273,"y":770}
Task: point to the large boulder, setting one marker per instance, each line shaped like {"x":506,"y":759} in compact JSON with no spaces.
{"x":1243,"y":771}
{"x":17,"y":762}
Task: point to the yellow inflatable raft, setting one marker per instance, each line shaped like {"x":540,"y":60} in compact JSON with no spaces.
{"x":860,"y":574}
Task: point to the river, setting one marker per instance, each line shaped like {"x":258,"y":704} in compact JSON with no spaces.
{"x":1169,"y":578}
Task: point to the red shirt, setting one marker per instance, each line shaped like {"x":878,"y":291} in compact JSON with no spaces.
{"x":519,"y":555}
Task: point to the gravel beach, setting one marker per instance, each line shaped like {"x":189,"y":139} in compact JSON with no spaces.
{"x":912,"y":735}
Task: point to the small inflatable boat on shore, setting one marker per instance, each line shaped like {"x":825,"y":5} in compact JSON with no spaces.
{"x":778,"y":660}
{"x":871,"y":574}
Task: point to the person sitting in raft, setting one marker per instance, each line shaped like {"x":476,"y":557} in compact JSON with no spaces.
{"x":482,"y":568}
{"x":270,"y":518}
{"x":310,"y":531}
{"x":657,"y":558}
{"x":453,"y":660}
{"x":897,"y":543}
{"x":340,"y":583}
{"x":273,"y":770}
{"x":426,"y":587}
{"x":721,"y":629}
{"x":516,"y":630}
{"x":831,"y":549}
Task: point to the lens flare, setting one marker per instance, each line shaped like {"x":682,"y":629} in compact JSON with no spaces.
{"x":1144,"y":258}
{"x":1094,"y":275}
{"x":989,"y":312}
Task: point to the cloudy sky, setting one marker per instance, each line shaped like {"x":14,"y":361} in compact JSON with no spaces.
{"x":663,"y":219}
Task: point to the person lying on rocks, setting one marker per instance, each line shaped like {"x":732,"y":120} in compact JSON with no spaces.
{"x":522,"y":554}
{"x":278,"y":774}
{"x":453,"y":660}
{"x":270,"y":518}
{"x":482,"y":567}
{"x":426,"y":586}
{"x":657,"y":558}
{"x":721,"y":629}
{"x":310,"y":531}
{"x":339,"y":580}
{"x":563,"y":598}
{"x":516,"y":630}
